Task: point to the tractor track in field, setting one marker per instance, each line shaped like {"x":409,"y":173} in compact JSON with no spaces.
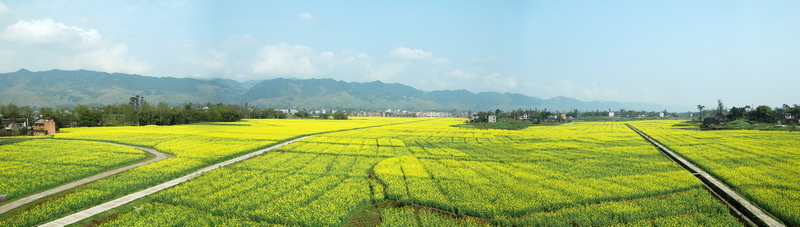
{"x":742,"y":207}
{"x":34,"y":197}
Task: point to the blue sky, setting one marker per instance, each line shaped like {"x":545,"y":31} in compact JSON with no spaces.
{"x":666,"y":52}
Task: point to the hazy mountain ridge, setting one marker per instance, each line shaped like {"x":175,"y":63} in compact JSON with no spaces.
{"x":66,"y":88}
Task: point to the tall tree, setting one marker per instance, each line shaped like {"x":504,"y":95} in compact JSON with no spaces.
{"x":700,"y":110}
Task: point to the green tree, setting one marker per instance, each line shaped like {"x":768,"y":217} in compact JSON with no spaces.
{"x":302,"y":114}
{"x":700,"y":111}
{"x":762,"y":114}
{"x":720,"y":110}
{"x":736,"y":113}
{"x":87,"y":116}
{"x":339,"y":115}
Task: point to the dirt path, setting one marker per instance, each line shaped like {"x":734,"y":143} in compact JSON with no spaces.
{"x":739,"y":204}
{"x":72,"y":218}
{"x":25,"y":200}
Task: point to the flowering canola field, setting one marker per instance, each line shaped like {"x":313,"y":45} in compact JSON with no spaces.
{"x":193,"y":146}
{"x":762,"y":166}
{"x":574,"y":174}
{"x":35,"y":165}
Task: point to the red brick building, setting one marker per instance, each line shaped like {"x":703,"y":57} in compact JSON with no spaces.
{"x":44,"y":126}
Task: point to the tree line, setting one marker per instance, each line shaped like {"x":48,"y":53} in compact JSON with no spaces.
{"x":537,"y":116}
{"x":139,"y":112}
{"x":784,"y":114}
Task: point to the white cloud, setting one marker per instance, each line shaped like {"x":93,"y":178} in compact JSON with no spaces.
{"x":584,"y":91}
{"x":3,"y":9}
{"x":500,"y":82}
{"x":216,"y":64}
{"x":386,"y":72}
{"x":408,"y":53}
{"x":47,"y":31}
{"x":441,"y":61}
{"x":490,"y":58}
{"x":305,"y":16}
{"x":237,"y":42}
{"x":46,"y":44}
{"x":285,"y":60}
{"x":110,"y":59}
{"x":462,"y":74}
{"x":418,"y":54}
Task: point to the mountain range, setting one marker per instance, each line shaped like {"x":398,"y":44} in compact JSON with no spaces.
{"x":57,"y":88}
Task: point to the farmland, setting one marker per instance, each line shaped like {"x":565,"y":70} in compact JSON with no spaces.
{"x":30,"y":166}
{"x":430,"y":173}
{"x":193,"y":146}
{"x":760,"y":165}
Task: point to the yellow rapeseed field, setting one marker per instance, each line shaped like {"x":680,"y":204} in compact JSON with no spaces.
{"x":574,"y":174}
{"x":194,"y":146}
{"x":35,"y":165}
{"x":763,"y":166}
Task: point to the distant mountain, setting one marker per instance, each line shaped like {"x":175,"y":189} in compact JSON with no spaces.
{"x":57,"y":88}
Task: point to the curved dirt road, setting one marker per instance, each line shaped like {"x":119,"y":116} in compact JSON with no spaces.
{"x":25,"y":200}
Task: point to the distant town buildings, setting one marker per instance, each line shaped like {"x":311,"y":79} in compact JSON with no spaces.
{"x":288,"y":111}
{"x":492,"y":118}
{"x":610,"y":114}
{"x":434,"y":114}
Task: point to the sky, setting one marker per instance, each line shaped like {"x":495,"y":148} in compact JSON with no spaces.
{"x":664,"y":52}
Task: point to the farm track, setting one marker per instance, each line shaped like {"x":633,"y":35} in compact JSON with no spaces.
{"x":32,"y":198}
{"x":75,"y":217}
{"x":741,"y":206}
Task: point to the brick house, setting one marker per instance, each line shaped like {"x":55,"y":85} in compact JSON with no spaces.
{"x":44,"y":126}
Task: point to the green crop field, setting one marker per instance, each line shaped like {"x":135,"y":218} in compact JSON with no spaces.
{"x":763,"y":166}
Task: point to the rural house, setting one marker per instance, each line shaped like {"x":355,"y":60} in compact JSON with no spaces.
{"x":44,"y":126}
{"x":14,"y":124}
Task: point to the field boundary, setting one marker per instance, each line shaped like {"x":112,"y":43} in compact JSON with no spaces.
{"x":75,"y":217}
{"x":70,"y":185}
{"x":741,"y":206}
